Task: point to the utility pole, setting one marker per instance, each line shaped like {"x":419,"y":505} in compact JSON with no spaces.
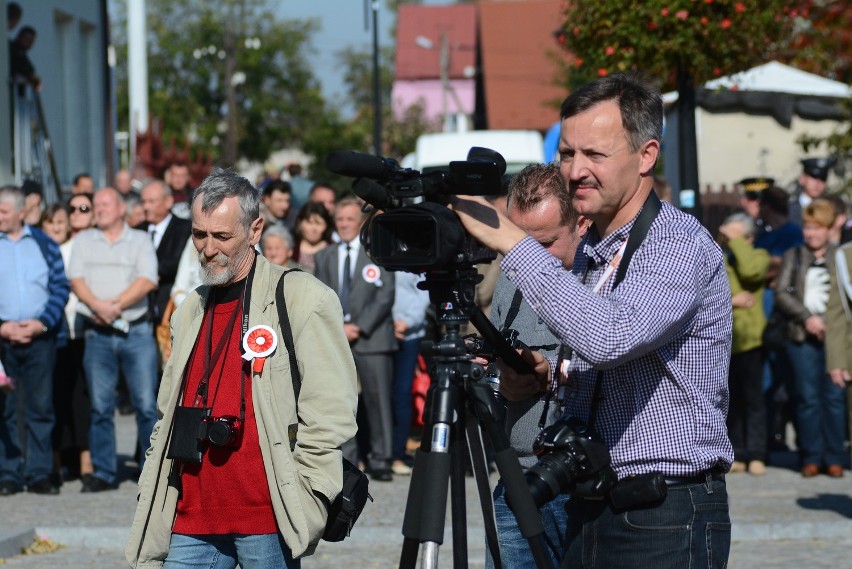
{"x":232,"y":131}
{"x":444,"y":59}
{"x":686,"y":138}
{"x":377,"y":84}
{"x":137,"y":67}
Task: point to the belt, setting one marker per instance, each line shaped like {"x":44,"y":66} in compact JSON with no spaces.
{"x":715,"y":473}
{"x":91,"y":323}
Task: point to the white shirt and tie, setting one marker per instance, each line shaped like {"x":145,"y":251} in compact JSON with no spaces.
{"x":156,"y":231}
{"x":348,"y":255}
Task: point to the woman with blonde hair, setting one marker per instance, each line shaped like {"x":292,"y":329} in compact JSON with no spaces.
{"x":805,"y":290}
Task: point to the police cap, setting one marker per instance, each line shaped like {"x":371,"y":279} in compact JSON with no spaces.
{"x":752,"y":187}
{"x":818,"y":167}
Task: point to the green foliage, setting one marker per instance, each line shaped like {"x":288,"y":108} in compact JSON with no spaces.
{"x":821,"y":42}
{"x":837,"y":144}
{"x":706,"y":38}
{"x":190,"y":45}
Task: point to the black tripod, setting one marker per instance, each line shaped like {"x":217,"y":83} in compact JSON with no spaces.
{"x":457,"y":389}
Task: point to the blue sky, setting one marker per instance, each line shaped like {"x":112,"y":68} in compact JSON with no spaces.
{"x":341,"y":24}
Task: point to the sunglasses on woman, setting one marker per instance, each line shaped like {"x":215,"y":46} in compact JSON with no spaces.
{"x":81,"y":209}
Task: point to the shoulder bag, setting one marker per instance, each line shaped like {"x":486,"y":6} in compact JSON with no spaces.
{"x":347,"y":506}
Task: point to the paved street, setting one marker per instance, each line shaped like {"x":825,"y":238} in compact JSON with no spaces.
{"x":780,"y":521}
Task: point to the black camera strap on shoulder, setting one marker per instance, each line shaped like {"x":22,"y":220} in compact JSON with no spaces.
{"x":637,"y":235}
{"x":345,"y":509}
{"x":514,"y":308}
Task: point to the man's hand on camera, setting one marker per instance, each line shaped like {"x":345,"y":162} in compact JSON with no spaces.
{"x":517,"y":387}
{"x":486,"y":223}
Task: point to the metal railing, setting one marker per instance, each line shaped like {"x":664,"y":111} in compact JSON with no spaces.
{"x":32,"y":149}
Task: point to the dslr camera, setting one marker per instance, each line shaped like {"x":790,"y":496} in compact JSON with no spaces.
{"x":195,"y":427}
{"x":572,"y":459}
{"x":220,"y":431}
{"x":417,"y":233}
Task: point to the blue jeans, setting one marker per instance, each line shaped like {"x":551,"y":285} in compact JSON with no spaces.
{"x":267,"y":551}
{"x":514,"y":548}
{"x":691,"y":528}
{"x":136,"y":352}
{"x":820,"y":406}
{"x":32,"y":366}
{"x":404,"y":363}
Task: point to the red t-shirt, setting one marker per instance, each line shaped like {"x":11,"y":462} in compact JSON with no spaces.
{"x":227,"y":492}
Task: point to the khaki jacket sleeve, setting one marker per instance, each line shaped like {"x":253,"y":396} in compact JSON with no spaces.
{"x":328,"y":398}
{"x":838,"y":327}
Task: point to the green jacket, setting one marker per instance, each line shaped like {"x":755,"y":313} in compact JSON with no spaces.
{"x":838,"y":313}
{"x":327,"y":405}
{"x":746,"y":267}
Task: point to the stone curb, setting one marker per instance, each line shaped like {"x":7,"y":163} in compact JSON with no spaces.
{"x":12,"y":541}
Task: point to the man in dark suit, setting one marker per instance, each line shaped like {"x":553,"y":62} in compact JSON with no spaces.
{"x":169,"y":235}
{"x":366,"y":293}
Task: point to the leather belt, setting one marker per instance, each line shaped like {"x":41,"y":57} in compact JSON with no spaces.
{"x":714,"y":473}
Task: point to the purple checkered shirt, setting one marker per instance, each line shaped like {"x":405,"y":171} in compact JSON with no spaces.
{"x":662,"y":339}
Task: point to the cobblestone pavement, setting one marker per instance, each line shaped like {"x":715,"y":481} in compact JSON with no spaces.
{"x":780,"y":521}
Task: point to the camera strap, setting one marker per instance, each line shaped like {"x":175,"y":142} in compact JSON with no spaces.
{"x":637,"y":235}
{"x":209,"y":358}
{"x":242,"y":307}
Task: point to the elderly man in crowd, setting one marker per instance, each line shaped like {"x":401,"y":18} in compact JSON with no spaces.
{"x":33,"y":293}
{"x":258,"y":497}
{"x":112,"y":270}
{"x":169,"y":234}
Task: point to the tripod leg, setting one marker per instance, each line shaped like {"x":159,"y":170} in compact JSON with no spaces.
{"x":480,"y":473}
{"x":459,"y":504}
{"x":517,"y":494}
{"x":426,"y":507}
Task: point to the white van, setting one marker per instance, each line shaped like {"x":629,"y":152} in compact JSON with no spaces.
{"x":518,"y":147}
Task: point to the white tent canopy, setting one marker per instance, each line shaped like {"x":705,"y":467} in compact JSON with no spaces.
{"x":775,"y":77}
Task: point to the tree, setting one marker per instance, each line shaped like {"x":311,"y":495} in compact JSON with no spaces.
{"x":681,"y":42}
{"x":822,"y":39}
{"x":229,"y":75}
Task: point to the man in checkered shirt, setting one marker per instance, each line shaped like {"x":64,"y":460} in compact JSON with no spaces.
{"x":660,"y":341}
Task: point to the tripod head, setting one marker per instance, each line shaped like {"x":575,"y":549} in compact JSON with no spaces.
{"x":452,"y":291}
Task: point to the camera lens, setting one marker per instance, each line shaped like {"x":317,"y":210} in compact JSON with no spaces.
{"x":220,"y":433}
{"x":551,"y":475}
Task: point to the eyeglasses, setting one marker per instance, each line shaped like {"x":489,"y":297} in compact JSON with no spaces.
{"x":81,"y":209}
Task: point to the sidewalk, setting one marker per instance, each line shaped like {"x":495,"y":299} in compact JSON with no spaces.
{"x":780,"y":520}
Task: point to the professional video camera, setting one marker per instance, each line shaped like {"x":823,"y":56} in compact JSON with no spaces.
{"x":573,"y":459}
{"x":417,"y":233}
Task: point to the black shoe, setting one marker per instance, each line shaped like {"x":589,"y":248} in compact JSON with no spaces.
{"x":8,"y":488}
{"x":380,"y":474}
{"x":95,"y":484}
{"x":43,"y":486}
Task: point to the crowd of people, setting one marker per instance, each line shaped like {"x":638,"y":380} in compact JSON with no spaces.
{"x":633,"y":318}
{"x":787,"y":264}
{"x":126,"y":270}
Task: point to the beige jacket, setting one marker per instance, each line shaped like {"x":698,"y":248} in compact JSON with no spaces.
{"x":327,"y":405}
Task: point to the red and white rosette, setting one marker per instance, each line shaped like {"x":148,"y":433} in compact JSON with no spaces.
{"x":372,"y":274}
{"x":258,"y":344}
